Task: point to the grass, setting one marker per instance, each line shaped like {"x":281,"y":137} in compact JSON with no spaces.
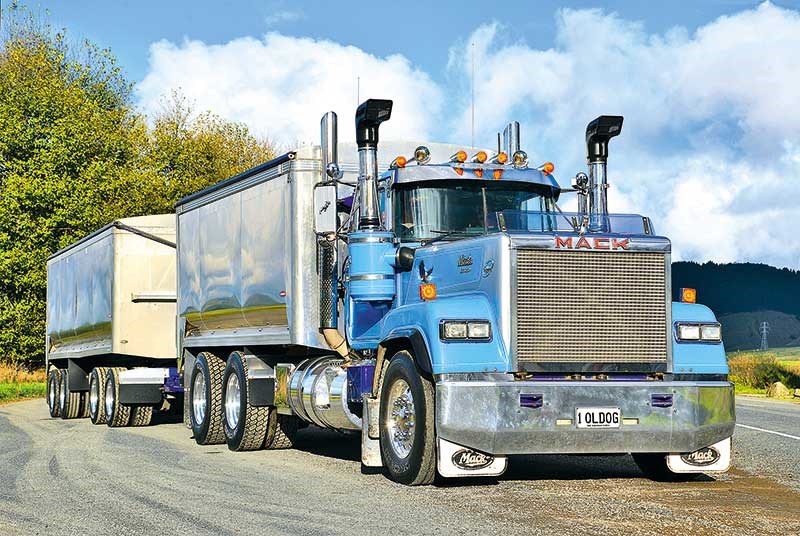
{"x":753,"y":372}
{"x":17,"y":384}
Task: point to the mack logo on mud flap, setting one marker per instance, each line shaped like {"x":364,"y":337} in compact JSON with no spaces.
{"x":702,"y":457}
{"x":595,"y":243}
{"x":471,"y":460}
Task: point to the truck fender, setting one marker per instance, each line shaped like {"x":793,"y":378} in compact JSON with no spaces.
{"x":412,"y":337}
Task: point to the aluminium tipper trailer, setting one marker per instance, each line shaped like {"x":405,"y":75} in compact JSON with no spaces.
{"x":110,"y":308}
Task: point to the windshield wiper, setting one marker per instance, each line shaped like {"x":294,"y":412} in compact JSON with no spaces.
{"x":446,"y":234}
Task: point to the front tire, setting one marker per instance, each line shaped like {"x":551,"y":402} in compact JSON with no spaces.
{"x":206,"y":399}
{"x":407,"y":434}
{"x":53,"y":391}
{"x":654,"y":466}
{"x":245,"y":425}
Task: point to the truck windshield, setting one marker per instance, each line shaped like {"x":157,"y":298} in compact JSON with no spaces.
{"x":455,"y":209}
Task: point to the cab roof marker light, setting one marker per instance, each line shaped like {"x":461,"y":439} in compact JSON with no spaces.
{"x":479,"y":157}
{"x":422,"y":155}
{"x":688,"y":295}
{"x":547,"y":168}
{"x":520,"y":159}
{"x":460,"y":157}
{"x":399,"y":162}
{"x":500,"y":158}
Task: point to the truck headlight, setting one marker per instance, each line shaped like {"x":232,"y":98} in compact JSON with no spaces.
{"x":699,"y":332}
{"x":477,"y":330}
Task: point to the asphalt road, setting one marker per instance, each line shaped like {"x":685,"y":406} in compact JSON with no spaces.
{"x":70,"y":477}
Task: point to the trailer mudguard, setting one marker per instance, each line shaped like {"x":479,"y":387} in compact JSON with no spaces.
{"x":696,"y":357}
{"x":425,"y":317}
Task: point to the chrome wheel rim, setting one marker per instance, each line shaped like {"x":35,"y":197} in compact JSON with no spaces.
{"x":94,"y":395}
{"x":401,"y":418}
{"x":109,"y":401}
{"x":62,"y":395}
{"x":51,"y":395}
{"x":233,"y":399}
{"x":199,"y":397}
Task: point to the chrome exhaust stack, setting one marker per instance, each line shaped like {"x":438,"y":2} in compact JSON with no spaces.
{"x":598,"y":133}
{"x":369,"y":116}
{"x":511,"y":138}
{"x":327,"y":261}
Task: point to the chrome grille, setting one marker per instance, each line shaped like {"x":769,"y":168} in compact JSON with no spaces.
{"x":591,"y":307}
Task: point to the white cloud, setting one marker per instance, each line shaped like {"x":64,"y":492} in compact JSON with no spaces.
{"x":281,"y":86}
{"x":711,"y":143}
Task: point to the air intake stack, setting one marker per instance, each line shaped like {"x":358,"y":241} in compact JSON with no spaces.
{"x":369,"y":116}
{"x":598,"y":133}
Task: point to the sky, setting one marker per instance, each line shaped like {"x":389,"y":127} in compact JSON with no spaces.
{"x":710,"y":147}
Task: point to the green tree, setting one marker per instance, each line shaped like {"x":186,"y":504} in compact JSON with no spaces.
{"x":75,"y":154}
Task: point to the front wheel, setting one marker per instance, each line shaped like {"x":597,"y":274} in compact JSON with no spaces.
{"x":407,"y":434}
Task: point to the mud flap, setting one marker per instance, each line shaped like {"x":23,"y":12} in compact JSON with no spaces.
{"x":370,"y":445}
{"x":715,"y":458}
{"x":455,"y":460}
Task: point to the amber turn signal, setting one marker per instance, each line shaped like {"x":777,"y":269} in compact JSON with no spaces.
{"x":688,"y":295}
{"x":399,"y":162}
{"x":427,"y":291}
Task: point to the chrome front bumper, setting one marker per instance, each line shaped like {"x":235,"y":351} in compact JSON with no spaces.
{"x":487,"y":416}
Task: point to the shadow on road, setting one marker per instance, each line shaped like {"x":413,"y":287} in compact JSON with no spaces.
{"x":347,"y":446}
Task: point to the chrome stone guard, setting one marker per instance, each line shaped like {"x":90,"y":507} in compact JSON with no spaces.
{"x":487,"y":416}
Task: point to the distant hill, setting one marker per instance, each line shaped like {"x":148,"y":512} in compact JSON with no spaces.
{"x":743,"y":295}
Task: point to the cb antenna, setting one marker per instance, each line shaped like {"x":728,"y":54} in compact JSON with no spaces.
{"x":472,"y":82}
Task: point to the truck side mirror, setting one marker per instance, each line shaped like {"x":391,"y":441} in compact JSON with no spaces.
{"x":325,"y":209}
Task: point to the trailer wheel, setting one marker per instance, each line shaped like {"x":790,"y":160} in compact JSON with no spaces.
{"x":407,"y":435}
{"x":97,"y":395}
{"x":206,"y":399}
{"x":141,"y":415}
{"x":53,"y":390}
{"x":281,"y":431}
{"x":70,"y":403}
{"x":117,"y":414}
{"x":654,"y":466}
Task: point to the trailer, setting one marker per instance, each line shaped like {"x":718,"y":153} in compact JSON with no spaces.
{"x":442,"y":306}
{"x":110,"y":322}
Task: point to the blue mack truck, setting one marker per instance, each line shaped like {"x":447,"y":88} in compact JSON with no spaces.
{"x":450,"y":313}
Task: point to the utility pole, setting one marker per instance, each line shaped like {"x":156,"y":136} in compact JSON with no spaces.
{"x":764,"y":330}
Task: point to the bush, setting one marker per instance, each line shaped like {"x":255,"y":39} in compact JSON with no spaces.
{"x":760,"y":370}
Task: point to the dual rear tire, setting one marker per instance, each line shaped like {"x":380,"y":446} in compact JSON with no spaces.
{"x":118,"y":414}
{"x":221,"y":410}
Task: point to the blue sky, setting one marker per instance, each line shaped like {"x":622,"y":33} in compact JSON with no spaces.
{"x":711,"y":144}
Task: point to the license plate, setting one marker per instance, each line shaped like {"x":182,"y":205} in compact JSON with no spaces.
{"x":597,"y":417}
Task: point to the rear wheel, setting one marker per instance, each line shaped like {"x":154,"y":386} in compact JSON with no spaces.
{"x":141,"y":415}
{"x":407,"y":435}
{"x":117,"y":414}
{"x":245,"y":425}
{"x":206,"y":399}
{"x":281,"y":431}
{"x":97,"y":395}
{"x":53,"y":391}
{"x":70,"y":403}
{"x":654,"y":466}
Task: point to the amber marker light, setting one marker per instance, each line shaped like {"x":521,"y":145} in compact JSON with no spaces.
{"x":497,"y":173}
{"x":480,"y":157}
{"x":478,"y":173}
{"x":460,"y":156}
{"x":427,"y":291}
{"x":689,"y":295}
{"x":399,"y":162}
{"x":547,"y":168}
{"x":500,"y":158}
{"x":459,"y":171}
